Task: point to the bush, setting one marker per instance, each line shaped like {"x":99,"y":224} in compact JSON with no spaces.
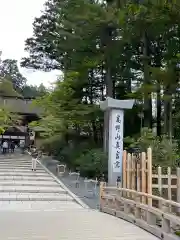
{"x":164,"y":150}
{"x":53,"y":145}
{"x":93,"y":163}
{"x":77,"y":155}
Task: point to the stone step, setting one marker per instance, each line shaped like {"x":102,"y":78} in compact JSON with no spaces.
{"x":21,"y":170}
{"x":4,"y":196}
{"x":27,"y":174}
{"x":14,"y":161}
{"x":22,"y":167}
{"x":27,"y":165}
{"x":38,"y":206}
{"x":28,"y":183}
{"x":15,"y":167}
{"x":12,"y":158}
{"x":27,"y":178}
{"x":32,"y":189}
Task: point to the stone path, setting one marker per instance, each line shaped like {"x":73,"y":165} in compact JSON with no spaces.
{"x":37,"y":206}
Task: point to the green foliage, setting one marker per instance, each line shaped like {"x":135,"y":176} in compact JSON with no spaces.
{"x":6,"y":89}
{"x":13,"y":83}
{"x":108,"y":48}
{"x":165,"y":151}
{"x":6,"y":119}
{"x":92,"y":163}
{"x":9,"y":70}
{"x":29,"y":91}
{"x":52,"y":145}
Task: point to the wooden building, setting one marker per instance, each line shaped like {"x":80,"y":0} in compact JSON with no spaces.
{"x":27,"y":113}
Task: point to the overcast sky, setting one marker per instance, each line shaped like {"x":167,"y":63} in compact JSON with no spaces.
{"x":16,"y":18}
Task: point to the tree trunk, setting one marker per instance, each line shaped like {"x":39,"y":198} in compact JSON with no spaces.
{"x":158,"y":104}
{"x":167,"y":111}
{"x":158,"y":58}
{"x":147,"y":81}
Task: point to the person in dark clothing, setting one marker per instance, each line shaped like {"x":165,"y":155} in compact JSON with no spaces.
{"x":12,"y":146}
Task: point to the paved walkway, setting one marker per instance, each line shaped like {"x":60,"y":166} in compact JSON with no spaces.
{"x":36,"y":205}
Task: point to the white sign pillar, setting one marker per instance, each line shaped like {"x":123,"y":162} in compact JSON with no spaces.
{"x":116,"y":133}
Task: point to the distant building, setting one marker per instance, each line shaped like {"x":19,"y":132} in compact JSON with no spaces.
{"x":27,"y":112}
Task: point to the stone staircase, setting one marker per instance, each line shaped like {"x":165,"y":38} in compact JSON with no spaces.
{"x":22,"y":189}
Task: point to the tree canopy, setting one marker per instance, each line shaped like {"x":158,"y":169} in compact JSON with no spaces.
{"x":14,"y":84}
{"x":7,"y":89}
{"x":127,"y":49}
{"x":9,"y":70}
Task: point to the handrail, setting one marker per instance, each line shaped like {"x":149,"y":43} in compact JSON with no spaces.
{"x":116,"y":201}
{"x":173,"y":203}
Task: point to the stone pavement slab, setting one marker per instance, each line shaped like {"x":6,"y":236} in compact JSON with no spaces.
{"x":26,"y":178}
{"x":28,"y":183}
{"x":26,"y":206}
{"x":43,"y":189}
{"x":31,"y":196}
{"x":70,"y":224}
{"x":30,"y":173}
{"x":9,"y":169}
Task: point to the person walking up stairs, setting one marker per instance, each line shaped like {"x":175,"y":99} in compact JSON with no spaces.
{"x":34,"y":155}
{"x":5,"y":147}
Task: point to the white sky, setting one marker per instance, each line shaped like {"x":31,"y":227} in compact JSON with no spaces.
{"x":16,"y":18}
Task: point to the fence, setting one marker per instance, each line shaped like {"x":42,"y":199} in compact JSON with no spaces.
{"x":145,"y":196}
{"x":127,"y":204}
{"x":139,"y":175}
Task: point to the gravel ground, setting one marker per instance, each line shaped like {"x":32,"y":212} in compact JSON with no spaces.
{"x":86,"y":196}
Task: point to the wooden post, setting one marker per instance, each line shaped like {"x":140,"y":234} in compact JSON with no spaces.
{"x":124,"y":169}
{"x":133,"y":175}
{"x":102,"y":185}
{"x":160,"y":185}
{"x":178,"y":185}
{"x":149,"y":172}
{"x":169,"y":184}
{"x":138,"y":180}
{"x":178,"y":188}
{"x":143,"y":175}
{"x":124,"y":175}
{"x":128,"y":172}
{"x":160,"y":180}
{"x":151,"y":219}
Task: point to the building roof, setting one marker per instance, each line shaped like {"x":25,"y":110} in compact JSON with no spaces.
{"x":19,"y":105}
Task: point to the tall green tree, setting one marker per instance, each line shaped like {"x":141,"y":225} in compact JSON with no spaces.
{"x":127,"y":49}
{"x":30,"y":91}
{"x":10,"y":71}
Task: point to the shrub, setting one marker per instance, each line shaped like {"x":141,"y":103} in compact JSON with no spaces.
{"x":93,"y":163}
{"x":164,"y":150}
